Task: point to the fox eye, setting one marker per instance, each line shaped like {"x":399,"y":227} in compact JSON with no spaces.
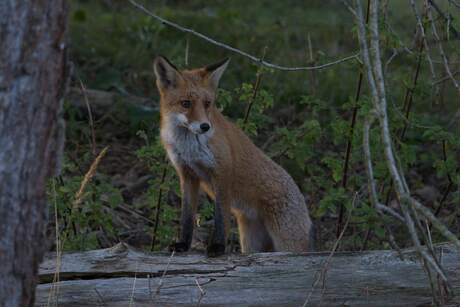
{"x":186,"y":104}
{"x":207,"y":103}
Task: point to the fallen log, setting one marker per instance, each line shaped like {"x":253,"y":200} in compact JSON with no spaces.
{"x":102,"y":101}
{"x":123,"y":276}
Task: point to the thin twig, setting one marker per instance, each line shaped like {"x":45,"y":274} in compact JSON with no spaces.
{"x":254,"y":92}
{"x":410,"y":122}
{"x":391,"y":212}
{"x":202,"y":293}
{"x":444,"y":197}
{"x":158,"y":208}
{"x":150,"y":289}
{"x":409,"y":97}
{"x":425,"y":41}
{"x":100,"y":297}
{"x":54,"y":292}
{"x":441,"y":50}
{"x":350,"y":138}
{"x":390,"y":59}
{"x":128,"y":210}
{"x":434,"y":220}
{"x":447,"y":18}
{"x":367,"y":236}
{"x":131,"y":300}
{"x":238,"y":51}
{"x":90,"y":117}
{"x":160,"y":283}
{"x":445,"y":78}
{"x":314,"y":83}
{"x":322,"y":272}
{"x":187,"y":51}
{"x":407,"y":106}
{"x":454,"y":3}
{"x":449,"y":178}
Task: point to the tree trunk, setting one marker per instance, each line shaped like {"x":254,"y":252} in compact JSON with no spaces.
{"x":32,"y":82}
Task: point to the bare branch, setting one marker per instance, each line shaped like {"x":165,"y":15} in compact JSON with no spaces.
{"x":238,"y":51}
{"x":350,"y":8}
{"x":391,"y":212}
{"x":367,"y":158}
{"x":390,"y":59}
{"x":445,"y":78}
{"x":441,"y":49}
{"x":447,"y":18}
{"x":454,"y":3}
{"x":365,"y":52}
{"x":372,"y":186}
{"x":425,"y":41}
{"x":377,"y":85}
{"x":434,"y":220}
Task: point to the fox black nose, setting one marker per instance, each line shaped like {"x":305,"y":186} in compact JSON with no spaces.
{"x":204,"y":127}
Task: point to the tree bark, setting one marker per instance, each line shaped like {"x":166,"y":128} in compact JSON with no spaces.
{"x":123,"y":276}
{"x":32,"y":82}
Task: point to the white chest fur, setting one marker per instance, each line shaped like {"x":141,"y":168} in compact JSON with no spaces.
{"x":188,"y":149}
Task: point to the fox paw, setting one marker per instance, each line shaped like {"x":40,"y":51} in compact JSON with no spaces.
{"x":216,"y":250}
{"x":178,"y":247}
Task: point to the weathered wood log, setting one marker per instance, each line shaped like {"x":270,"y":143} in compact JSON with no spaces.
{"x":102,"y":101}
{"x":121,"y":276}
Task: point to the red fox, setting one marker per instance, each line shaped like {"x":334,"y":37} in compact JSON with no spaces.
{"x":211,"y":153}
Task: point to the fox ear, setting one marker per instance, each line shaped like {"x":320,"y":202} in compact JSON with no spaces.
{"x":215,"y":71}
{"x":166,"y":73}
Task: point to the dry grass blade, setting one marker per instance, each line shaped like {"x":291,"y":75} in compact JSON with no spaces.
{"x":90,"y":116}
{"x":160,"y":283}
{"x":131,"y":300}
{"x":88,"y":176}
{"x":54,"y":293}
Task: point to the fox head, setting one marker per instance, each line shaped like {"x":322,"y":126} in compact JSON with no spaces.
{"x":188,"y":96}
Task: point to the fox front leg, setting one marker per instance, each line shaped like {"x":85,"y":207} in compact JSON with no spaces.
{"x":190,"y":191}
{"x":217,"y":243}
